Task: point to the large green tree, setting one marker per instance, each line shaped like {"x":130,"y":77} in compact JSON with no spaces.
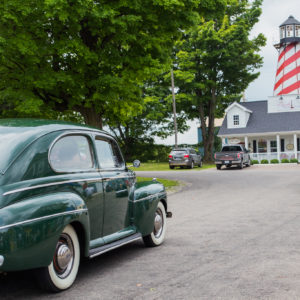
{"x":86,"y":56}
{"x":216,"y":61}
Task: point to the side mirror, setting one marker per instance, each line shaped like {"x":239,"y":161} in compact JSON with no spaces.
{"x":136,"y":163}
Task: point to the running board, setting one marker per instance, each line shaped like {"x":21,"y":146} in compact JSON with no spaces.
{"x":119,"y":243}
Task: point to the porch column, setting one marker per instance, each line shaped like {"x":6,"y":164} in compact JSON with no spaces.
{"x":278,"y":146}
{"x":295,"y":145}
{"x":246,"y":142}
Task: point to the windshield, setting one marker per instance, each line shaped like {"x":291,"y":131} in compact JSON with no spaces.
{"x":178,"y":152}
{"x":231,"y":148}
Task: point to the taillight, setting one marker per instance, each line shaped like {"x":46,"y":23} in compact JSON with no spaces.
{"x":186,"y":156}
{"x":239,"y":155}
{"x":215,"y":155}
{"x":170,"y":156}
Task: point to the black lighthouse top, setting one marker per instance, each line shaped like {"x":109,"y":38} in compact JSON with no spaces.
{"x":290,"y":31}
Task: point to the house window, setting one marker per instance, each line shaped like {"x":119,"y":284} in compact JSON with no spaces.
{"x":289,"y":30}
{"x":282,"y":145}
{"x":254,"y":146}
{"x":273,"y":146}
{"x":236,"y":120}
{"x":262,"y":146}
{"x":297,"y":30}
{"x":282,"y":32}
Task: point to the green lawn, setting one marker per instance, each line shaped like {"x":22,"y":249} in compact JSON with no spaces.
{"x":165,"y":167}
{"x":166,"y":182}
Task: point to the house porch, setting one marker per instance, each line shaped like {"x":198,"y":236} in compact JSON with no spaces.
{"x":268,"y":146}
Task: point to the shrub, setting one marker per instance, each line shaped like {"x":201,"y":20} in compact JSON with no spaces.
{"x":274,"y":161}
{"x":285,"y":161}
{"x":294,"y":160}
{"x":254,"y":162}
{"x":264,"y":161}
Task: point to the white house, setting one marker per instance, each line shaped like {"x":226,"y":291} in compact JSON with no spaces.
{"x":270,"y":129}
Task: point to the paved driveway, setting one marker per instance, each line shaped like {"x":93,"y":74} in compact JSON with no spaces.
{"x":235,"y":234}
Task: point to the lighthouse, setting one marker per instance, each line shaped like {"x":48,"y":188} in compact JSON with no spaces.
{"x":286,"y":94}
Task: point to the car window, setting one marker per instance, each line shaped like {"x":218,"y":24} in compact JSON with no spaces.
{"x":231,"y":148}
{"x":108,"y":154}
{"x":71,"y":153}
{"x":176,"y":152}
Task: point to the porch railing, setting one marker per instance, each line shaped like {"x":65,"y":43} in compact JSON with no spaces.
{"x":273,"y":155}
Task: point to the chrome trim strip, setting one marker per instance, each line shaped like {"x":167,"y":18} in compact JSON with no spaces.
{"x":51,"y":184}
{"x":1,"y":260}
{"x":62,"y":182}
{"x":117,"y":246}
{"x":150,"y":196}
{"x":45,"y":217}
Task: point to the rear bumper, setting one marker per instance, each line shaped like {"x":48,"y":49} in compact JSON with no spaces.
{"x":179,"y":163}
{"x":231,"y":162}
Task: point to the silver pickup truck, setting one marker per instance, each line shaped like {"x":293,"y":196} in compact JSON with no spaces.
{"x":232,"y":155}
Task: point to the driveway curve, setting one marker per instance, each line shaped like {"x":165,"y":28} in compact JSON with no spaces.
{"x":234,"y":235}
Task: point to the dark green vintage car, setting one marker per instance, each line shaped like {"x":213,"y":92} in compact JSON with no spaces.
{"x":66,"y":193}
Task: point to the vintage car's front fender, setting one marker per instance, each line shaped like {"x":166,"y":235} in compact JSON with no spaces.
{"x":145,"y":197}
{"x":30,"y":229}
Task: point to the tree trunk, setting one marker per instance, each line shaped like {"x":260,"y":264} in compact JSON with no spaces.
{"x":92,"y":118}
{"x":208,"y":132}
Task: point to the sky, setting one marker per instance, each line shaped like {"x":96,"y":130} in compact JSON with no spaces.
{"x":274,"y":13}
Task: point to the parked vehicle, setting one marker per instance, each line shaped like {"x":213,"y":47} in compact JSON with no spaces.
{"x":66,"y":193}
{"x":184,"y":157}
{"x":232,"y":155}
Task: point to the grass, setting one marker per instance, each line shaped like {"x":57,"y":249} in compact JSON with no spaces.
{"x":165,"y":167}
{"x":166,"y":182}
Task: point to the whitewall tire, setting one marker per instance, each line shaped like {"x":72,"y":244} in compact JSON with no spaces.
{"x":62,"y":272}
{"x":157,"y":236}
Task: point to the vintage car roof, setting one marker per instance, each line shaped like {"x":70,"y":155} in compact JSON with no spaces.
{"x":16,"y":134}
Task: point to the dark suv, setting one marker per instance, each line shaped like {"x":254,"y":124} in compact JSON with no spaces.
{"x":184,"y":157}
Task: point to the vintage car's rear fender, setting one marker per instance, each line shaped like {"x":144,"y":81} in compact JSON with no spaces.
{"x":30,"y":229}
{"x":145,"y":198}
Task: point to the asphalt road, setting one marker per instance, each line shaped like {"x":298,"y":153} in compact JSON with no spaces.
{"x":235,"y":234}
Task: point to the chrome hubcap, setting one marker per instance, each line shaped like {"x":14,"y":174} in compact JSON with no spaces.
{"x":158,"y":223}
{"x":64,"y":256}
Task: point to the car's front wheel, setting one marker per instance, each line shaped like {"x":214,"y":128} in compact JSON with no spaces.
{"x":157,"y":236}
{"x":62,"y":271}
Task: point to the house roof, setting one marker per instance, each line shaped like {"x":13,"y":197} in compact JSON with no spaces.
{"x":238,"y":105}
{"x":260,"y":121}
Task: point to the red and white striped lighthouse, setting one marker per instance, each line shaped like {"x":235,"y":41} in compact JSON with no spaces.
{"x":288,"y":70}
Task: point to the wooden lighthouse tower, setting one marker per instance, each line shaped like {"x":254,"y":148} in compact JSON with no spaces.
{"x":286,"y":95}
{"x":288,"y":69}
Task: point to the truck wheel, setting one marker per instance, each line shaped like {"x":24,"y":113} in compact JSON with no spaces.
{"x":241,"y":165}
{"x":62,"y":271}
{"x":219,"y":167}
{"x":171,"y":167}
{"x":157,"y":236}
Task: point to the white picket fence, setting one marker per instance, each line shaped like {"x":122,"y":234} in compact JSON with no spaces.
{"x":273,"y":155}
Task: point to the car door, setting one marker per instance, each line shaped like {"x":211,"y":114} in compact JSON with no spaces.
{"x":73,"y":154}
{"x":116,"y":184}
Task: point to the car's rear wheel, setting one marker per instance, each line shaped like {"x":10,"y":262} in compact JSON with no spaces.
{"x":62,"y":272}
{"x":157,"y":236}
{"x":200,"y":164}
{"x":241,"y":165}
{"x":192,"y":165}
{"x":171,"y":167}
